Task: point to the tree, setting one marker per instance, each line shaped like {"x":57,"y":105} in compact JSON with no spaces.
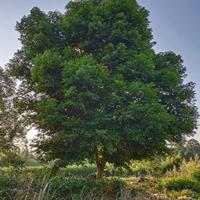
{"x":11,"y":126}
{"x":191,"y":150}
{"x":94,"y":86}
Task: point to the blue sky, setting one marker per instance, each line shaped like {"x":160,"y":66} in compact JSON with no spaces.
{"x":175,"y":25}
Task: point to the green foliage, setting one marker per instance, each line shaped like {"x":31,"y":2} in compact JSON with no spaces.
{"x":179,"y":184}
{"x":195,"y":173}
{"x":11,"y":159}
{"x":184,"y":180}
{"x":78,"y":182}
{"x":6,"y":178}
{"x":142,"y":167}
{"x":12,"y":125}
{"x":170,"y":163}
{"x":83,"y":187}
{"x":80,"y":171}
{"x":69,"y":183}
{"x":191,"y":150}
{"x":91,"y":81}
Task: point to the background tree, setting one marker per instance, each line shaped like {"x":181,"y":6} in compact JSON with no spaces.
{"x":191,"y":150}
{"x":11,"y":125}
{"x":94,"y":86}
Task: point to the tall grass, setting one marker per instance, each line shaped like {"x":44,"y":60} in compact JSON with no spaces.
{"x":78,"y":183}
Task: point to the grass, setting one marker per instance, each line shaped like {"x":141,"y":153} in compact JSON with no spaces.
{"x":185,"y":180}
{"x":72,"y":182}
{"x":78,"y":182}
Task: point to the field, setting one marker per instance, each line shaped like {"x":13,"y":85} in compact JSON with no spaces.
{"x":169,"y":179}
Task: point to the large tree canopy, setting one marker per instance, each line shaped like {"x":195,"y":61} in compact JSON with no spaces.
{"x":93,"y":84}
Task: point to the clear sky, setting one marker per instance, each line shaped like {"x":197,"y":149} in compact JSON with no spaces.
{"x":175,"y":25}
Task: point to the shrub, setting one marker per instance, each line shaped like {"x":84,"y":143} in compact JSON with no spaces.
{"x":181,"y":183}
{"x":139,"y":167}
{"x":7,"y":180}
{"x":170,"y":163}
{"x":195,"y":173}
{"x":13,"y":159}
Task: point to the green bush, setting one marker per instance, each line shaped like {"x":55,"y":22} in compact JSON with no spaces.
{"x":136,"y":168}
{"x":13,"y":159}
{"x":7,"y":180}
{"x":170,"y":163}
{"x":195,"y":173}
{"x":142,"y":167}
{"x":180,"y":184}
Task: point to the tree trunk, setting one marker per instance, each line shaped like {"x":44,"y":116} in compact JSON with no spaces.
{"x":100,"y":162}
{"x":100,"y":169}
